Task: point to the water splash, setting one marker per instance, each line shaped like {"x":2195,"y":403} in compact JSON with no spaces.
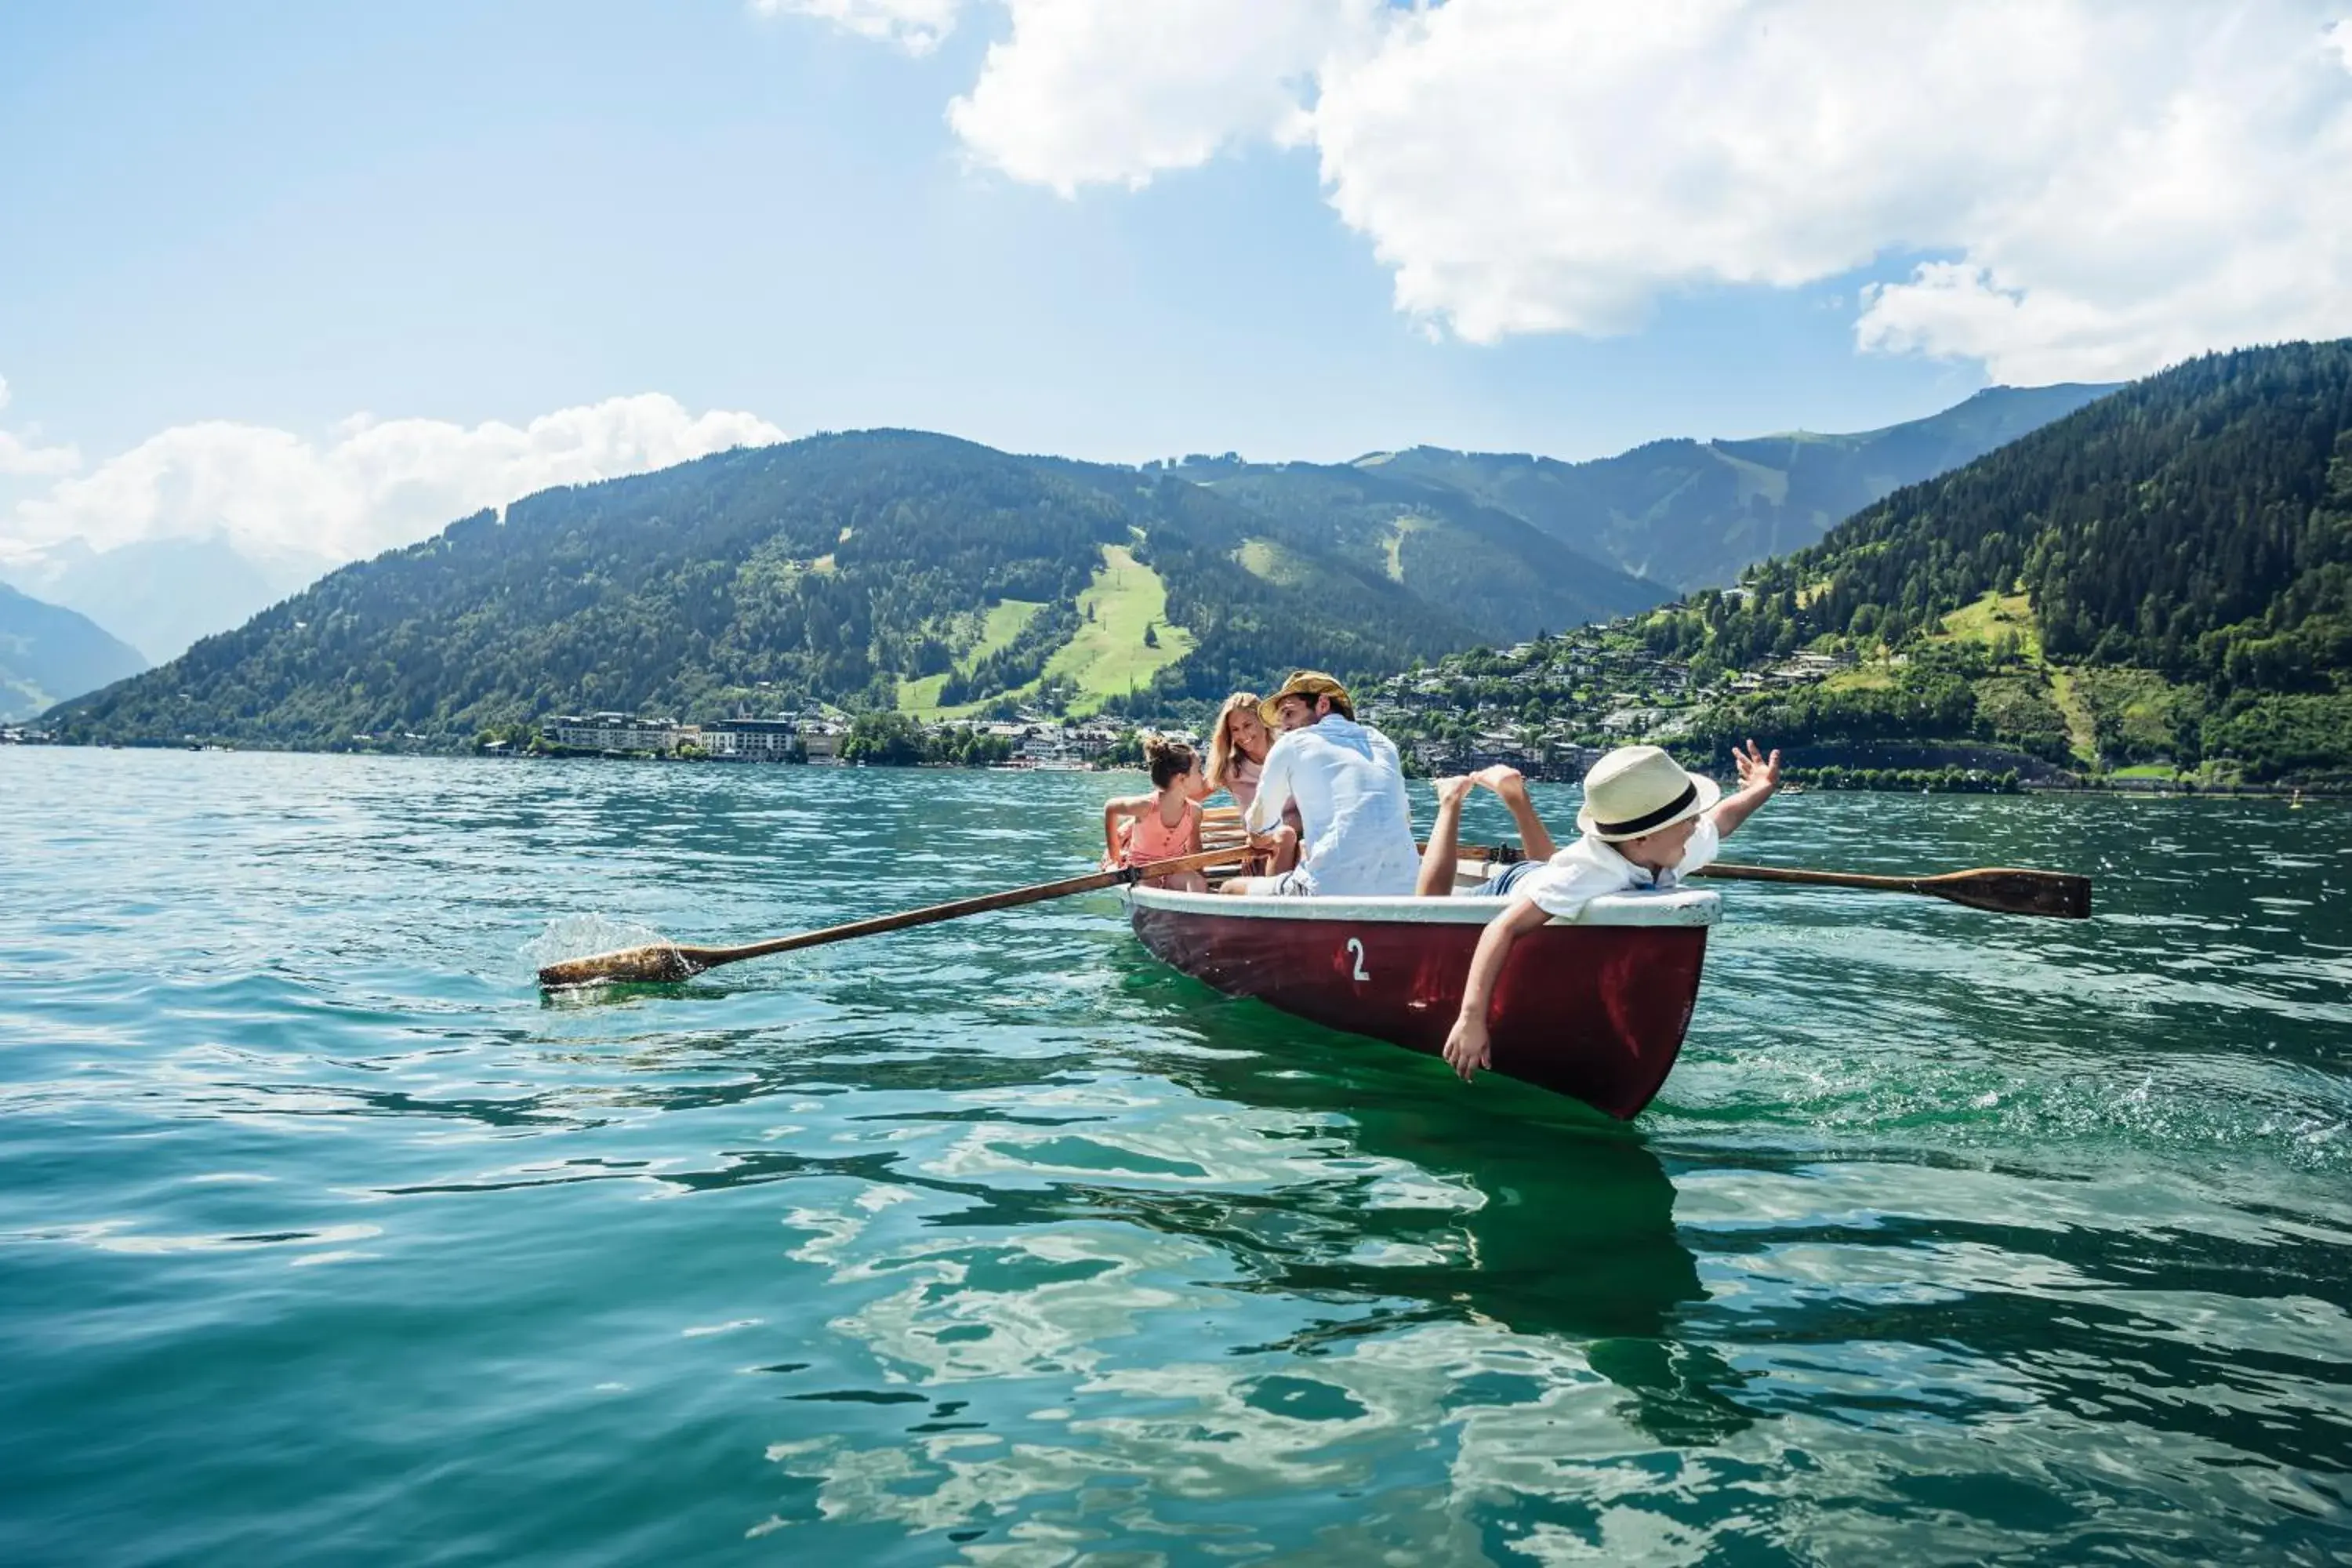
{"x":578,"y":936}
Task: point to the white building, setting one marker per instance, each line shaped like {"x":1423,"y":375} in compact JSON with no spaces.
{"x":1046,"y":749}
{"x":751,"y":740}
{"x":612,"y":732}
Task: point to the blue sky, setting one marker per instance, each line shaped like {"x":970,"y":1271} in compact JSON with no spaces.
{"x":286,"y":214}
{"x":282,"y":217}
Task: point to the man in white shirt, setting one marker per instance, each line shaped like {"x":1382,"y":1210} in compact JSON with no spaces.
{"x":1646,"y":823}
{"x":1348,"y":784}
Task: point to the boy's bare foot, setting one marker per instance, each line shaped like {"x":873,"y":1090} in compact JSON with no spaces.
{"x":1454,"y":790}
{"x":1511,"y":786}
{"x":1498,"y":776}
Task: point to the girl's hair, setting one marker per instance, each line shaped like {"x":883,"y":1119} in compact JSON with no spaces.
{"x":1221,"y":738}
{"x":1168,"y":760}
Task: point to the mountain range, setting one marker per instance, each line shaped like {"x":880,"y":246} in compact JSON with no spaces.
{"x":2161,"y":579}
{"x":2160,"y":582}
{"x":1694,"y":514}
{"x":850,"y":568}
{"x":161,"y":595}
{"x":49,"y":653}
{"x":902,"y":569}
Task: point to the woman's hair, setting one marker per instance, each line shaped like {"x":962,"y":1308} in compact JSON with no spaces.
{"x":1168,"y":760}
{"x":1221,"y":738}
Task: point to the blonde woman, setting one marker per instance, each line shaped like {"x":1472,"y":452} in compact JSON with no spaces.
{"x":1237,"y":748}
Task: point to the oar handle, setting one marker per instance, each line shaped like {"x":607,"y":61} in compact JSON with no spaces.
{"x":662,"y":962}
{"x":1819,"y":878}
{"x":1511,"y":853}
{"x":1035,"y":894}
{"x":2004,"y":890}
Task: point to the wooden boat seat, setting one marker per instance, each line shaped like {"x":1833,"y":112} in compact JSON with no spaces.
{"x":1220,"y":828}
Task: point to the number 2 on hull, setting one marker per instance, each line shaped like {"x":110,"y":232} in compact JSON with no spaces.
{"x":1356,"y":947}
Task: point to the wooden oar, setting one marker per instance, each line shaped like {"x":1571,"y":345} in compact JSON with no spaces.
{"x":2004,"y":890}
{"x":2000,"y":889}
{"x":660,"y":961}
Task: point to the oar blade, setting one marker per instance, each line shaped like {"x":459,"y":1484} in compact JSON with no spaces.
{"x":652,"y":964}
{"x":2060,"y":895}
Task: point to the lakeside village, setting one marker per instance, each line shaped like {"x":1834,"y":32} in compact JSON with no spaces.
{"x":1548,"y":707}
{"x":1030,"y":739}
{"x":1443,"y":719}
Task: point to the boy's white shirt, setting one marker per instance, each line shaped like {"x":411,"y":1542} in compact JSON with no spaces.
{"x":1348,"y":784}
{"x":1591,"y":867}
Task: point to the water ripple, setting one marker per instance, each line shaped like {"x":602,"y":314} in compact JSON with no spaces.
{"x":324,"y":1237}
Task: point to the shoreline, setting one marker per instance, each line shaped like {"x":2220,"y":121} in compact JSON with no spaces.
{"x":2133,"y":789}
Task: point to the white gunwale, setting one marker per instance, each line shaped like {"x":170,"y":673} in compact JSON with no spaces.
{"x":1676,"y":907}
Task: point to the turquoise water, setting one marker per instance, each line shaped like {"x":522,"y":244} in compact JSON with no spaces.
{"x":324,"y":1238}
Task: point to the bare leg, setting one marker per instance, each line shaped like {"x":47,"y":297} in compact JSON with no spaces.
{"x":1437,"y":862}
{"x":1286,"y":848}
{"x":1507,"y":782}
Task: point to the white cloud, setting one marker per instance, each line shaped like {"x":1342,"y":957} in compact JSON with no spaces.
{"x":1082,"y":92}
{"x":23,"y":456}
{"x":2115,"y":185}
{"x":2104,"y":184}
{"x":915,"y":26}
{"x":372,"y":485}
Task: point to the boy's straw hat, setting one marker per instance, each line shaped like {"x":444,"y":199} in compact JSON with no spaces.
{"x":1309,"y":684}
{"x":1639,"y":789}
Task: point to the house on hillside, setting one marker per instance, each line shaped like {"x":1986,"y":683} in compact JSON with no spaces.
{"x":1804,"y":668}
{"x":1646,"y":723}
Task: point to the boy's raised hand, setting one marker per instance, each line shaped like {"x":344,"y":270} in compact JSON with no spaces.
{"x":1756,"y":771}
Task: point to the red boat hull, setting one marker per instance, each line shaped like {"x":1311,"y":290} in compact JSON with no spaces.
{"x":1593,"y":1011}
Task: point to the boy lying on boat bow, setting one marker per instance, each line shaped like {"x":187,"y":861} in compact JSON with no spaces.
{"x":1646,"y":823}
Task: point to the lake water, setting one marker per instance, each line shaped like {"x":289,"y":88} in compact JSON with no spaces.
{"x":324,"y":1238}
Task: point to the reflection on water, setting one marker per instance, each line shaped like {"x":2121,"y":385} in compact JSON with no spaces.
{"x":322,"y":1236}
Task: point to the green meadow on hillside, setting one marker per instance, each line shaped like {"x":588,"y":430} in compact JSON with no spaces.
{"x":1122,"y":639}
{"x":1000,"y":624}
{"x":1126,"y":605}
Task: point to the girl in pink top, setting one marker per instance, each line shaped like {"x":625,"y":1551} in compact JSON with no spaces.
{"x":1141,"y":828}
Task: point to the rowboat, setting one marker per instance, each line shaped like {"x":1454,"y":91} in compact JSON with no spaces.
{"x":1595,"y":1008}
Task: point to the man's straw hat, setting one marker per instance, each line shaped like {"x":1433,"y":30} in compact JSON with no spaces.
{"x":1636,"y":790}
{"x":1309,"y":684}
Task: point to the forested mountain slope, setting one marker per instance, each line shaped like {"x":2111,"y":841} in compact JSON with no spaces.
{"x":839,"y":567}
{"x":1695,"y":513}
{"x":895,"y":568}
{"x":1494,"y":569}
{"x":2165,"y":573}
{"x":49,"y":653}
